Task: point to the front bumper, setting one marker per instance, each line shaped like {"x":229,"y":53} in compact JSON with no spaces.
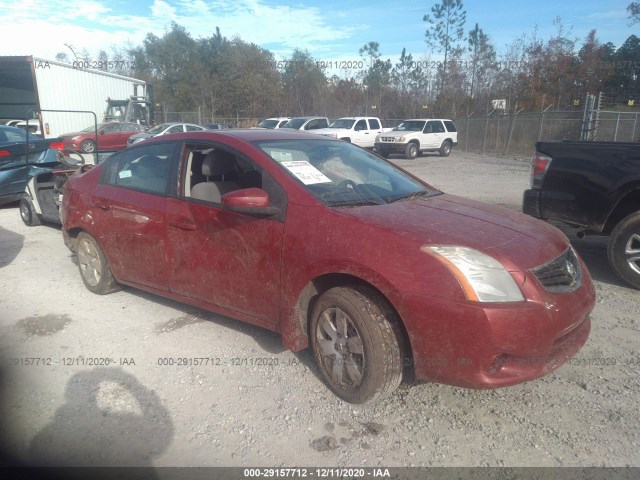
{"x":472,"y":345}
{"x":392,"y":147}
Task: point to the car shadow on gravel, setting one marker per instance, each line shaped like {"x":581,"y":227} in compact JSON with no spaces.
{"x":269,"y":341}
{"x":109,"y":419}
{"x":10,"y":246}
{"x":593,"y":250}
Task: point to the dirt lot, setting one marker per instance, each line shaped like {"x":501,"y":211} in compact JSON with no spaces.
{"x":98,"y":380}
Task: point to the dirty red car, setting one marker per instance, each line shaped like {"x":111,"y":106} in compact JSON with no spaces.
{"x":334,"y":248}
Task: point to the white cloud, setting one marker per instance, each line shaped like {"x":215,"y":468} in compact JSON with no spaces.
{"x":162,"y":10}
{"x":98,"y":24}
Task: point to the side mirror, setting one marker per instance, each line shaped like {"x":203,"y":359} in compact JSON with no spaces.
{"x":101,"y":132}
{"x":252,"y":201}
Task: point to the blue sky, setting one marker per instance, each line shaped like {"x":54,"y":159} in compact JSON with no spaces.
{"x":330,"y":29}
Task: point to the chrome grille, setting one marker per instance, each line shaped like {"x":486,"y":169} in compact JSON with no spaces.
{"x":562,"y":274}
{"x":387,"y":139}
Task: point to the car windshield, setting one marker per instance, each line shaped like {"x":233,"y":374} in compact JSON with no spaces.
{"x":410,"y":126}
{"x":11,"y":135}
{"x":92,"y":128}
{"x":342,"y":123}
{"x":341,"y":174}
{"x":159,"y":128}
{"x":294,"y":123}
{"x":268,"y":123}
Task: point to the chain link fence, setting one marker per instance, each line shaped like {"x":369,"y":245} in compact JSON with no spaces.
{"x":497,"y":134}
{"x":516,"y":134}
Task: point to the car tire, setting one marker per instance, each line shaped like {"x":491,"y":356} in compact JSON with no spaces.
{"x":94,"y":268}
{"x":445,"y":148}
{"x":357,"y":344}
{"x":624,"y":249}
{"x":28,"y":213}
{"x":88,"y":146}
{"x":411,"y":151}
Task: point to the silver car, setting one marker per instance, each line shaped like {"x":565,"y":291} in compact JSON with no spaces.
{"x":164,"y":129}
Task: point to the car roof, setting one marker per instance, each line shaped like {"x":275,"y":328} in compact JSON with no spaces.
{"x":425,"y":119}
{"x":244,"y":134}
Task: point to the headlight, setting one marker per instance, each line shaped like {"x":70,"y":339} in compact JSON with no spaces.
{"x":400,"y":139}
{"x":482,"y":277}
{"x":377,"y":138}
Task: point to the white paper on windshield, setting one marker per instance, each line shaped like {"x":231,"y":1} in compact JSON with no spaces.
{"x":124,"y":174}
{"x":305,"y":172}
{"x":280,"y":156}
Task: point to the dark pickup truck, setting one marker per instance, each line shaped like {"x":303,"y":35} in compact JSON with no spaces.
{"x":595,"y":187}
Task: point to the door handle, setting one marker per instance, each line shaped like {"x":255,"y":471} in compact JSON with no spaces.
{"x":102,"y":206}
{"x":183,"y":224}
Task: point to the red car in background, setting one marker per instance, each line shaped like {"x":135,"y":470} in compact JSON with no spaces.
{"x":111,"y":136}
{"x":334,"y":248}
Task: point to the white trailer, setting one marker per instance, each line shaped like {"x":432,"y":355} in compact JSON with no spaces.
{"x":30,"y":87}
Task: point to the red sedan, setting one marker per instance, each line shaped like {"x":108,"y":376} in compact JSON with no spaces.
{"x":111,"y":136}
{"x":336,"y":248}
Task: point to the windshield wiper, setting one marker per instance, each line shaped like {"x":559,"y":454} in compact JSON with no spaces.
{"x":358,"y":203}
{"x":410,"y":196}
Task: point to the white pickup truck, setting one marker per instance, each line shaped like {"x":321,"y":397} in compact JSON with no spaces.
{"x":359,"y":130}
{"x":418,"y":135}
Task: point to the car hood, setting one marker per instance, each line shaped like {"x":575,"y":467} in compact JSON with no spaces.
{"x":75,"y":134}
{"x":392,"y":133}
{"x":328,"y":131}
{"x":519,"y":241}
{"x":143,"y":135}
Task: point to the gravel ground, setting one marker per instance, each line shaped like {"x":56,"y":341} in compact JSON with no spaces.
{"x":110,"y":396}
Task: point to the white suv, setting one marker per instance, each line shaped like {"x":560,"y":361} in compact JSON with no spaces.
{"x":276,"y":122}
{"x":418,"y":135}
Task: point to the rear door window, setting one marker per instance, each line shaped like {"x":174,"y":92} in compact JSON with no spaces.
{"x":450,"y":126}
{"x":148,"y":168}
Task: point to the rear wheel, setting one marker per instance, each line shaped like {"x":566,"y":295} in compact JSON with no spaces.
{"x":445,"y":149}
{"x":356,"y":344}
{"x":624,"y":249}
{"x":28,"y":213}
{"x":411,"y":151}
{"x":93,"y":266}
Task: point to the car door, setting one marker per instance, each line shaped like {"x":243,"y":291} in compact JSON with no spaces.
{"x":109,"y":136}
{"x":129,"y":211}
{"x":432,"y":134}
{"x":222,"y":257}
{"x":126,"y":130}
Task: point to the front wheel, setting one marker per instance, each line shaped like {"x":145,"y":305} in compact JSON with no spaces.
{"x":445,"y":149}
{"x":88,"y":146}
{"x":28,"y":213}
{"x":624,"y":249}
{"x":93,"y":266}
{"x":356,"y":344}
{"x":411,"y":151}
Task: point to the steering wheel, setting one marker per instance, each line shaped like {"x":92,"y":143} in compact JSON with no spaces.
{"x":70,"y":157}
{"x":348,"y":184}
